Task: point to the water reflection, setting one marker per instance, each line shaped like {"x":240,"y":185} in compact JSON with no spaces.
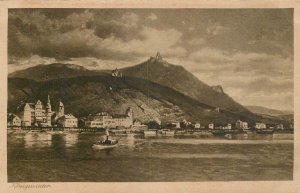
{"x":131,"y":142}
{"x":71,"y":139}
{"x":128,"y":141}
{"x":37,"y":140}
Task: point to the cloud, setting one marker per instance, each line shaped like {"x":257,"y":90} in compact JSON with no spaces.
{"x":192,"y":28}
{"x":100,"y":64}
{"x":215,"y":28}
{"x":130,"y":19}
{"x":238,"y":62}
{"x":76,"y":20}
{"x":23,"y":63}
{"x":83,"y":34}
{"x":244,"y":75}
{"x":154,"y":40}
{"x":210,"y":55}
{"x":267,"y":85}
{"x":280,"y":101}
{"x":83,"y":42}
{"x":152,"y":17}
{"x":126,"y":27}
{"x":197,"y":41}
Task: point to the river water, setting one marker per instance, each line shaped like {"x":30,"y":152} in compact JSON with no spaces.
{"x":44,"y":157}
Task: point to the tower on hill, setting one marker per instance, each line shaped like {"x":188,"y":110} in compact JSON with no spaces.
{"x":158,"y":57}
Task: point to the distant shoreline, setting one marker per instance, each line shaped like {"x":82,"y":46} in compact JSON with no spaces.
{"x":182,"y":132}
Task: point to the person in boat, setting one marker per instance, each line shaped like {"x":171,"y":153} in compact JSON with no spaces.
{"x":107,"y":141}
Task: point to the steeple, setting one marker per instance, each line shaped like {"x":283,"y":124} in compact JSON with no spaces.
{"x":48,"y":112}
{"x":48,"y":106}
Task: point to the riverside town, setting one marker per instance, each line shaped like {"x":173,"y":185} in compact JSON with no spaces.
{"x":39,"y":117}
{"x":35,"y":116}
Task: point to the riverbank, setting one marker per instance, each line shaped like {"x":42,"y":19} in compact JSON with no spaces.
{"x":203,"y":134}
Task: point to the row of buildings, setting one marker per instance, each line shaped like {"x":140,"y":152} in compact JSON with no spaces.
{"x":39,"y":115}
{"x":237,"y":125}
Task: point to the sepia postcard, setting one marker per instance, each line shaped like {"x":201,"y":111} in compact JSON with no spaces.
{"x":104,"y":96}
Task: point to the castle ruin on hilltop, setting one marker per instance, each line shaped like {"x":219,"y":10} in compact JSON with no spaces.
{"x":157,"y":58}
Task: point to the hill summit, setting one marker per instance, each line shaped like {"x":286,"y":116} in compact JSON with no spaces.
{"x":53,"y":71}
{"x":158,"y":70}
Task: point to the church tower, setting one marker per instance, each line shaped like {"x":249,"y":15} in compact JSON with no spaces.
{"x":60,"y":110}
{"x":129,"y":113}
{"x":48,"y":112}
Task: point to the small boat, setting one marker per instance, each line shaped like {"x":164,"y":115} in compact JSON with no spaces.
{"x":105,"y":144}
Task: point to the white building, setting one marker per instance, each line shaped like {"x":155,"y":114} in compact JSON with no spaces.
{"x":99,"y":120}
{"x":176,"y":124}
{"x":13,"y":120}
{"x":197,"y":125}
{"x":260,"y":126}
{"x":67,"y":120}
{"x":241,"y":125}
{"x":211,"y":126}
{"x":228,"y":126}
{"x":279,"y":126}
{"x":26,"y":113}
{"x":104,"y":120}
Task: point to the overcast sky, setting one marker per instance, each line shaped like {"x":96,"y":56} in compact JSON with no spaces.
{"x":247,"y":51}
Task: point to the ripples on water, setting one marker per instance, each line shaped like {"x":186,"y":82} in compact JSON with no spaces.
{"x":69,"y":157}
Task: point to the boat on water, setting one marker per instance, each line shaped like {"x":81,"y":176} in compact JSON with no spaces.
{"x":105,"y":144}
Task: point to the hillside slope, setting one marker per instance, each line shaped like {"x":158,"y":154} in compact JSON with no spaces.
{"x":177,"y":78}
{"x":92,"y":94}
{"x":268,"y":111}
{"x":156,"y":70}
